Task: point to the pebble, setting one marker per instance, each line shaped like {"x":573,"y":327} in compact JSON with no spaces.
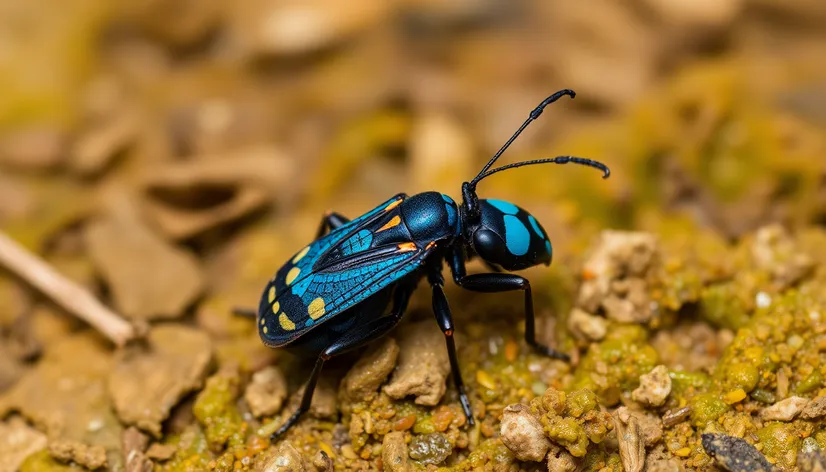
{"x":735,"y":454}
{"x":363,"y":380}
{"x":430,"y":449}
{"x":523,"y":434}
{"x":785,"y":410}
{"x":654,"y":388}
{"x":814,"y":409}
{"x":423,"y":365}
{"x":587,"y":326}
{"x":394,"y":452}
{"x":267,"y":391}
{"x":18,"y":440}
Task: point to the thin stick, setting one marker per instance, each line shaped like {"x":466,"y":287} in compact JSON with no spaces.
{"x":69,"y":295}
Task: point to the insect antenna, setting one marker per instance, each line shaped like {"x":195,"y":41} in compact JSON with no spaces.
{"x":606,"y":172}
{"x":533,"y":116}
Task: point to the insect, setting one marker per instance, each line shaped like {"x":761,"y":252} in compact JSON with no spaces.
{"x":331,"y":296}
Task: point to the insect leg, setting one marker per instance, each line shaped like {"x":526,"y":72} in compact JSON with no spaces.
{"x":441,"y":309}
{"x":348,"y":341}
{"x":330,"y":221}
{"x":490,"y":283}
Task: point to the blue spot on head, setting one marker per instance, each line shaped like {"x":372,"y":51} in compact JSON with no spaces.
{"x":548,"y":247}
{"x":535,"y":225}
{"x":517,"y":237}
{"x":505,"y":207}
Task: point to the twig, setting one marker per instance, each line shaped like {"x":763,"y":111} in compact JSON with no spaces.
{"x":69,"y":295}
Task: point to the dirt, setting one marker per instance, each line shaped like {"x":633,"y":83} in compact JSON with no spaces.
{"x":169,"y":156}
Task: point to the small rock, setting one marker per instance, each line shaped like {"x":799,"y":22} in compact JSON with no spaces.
{"x":324,"y":404}
{"x":147,"y":382}
{"x":672,"y":417}
{"x":18,"y":441}
{"x":812,"y":461}
{"x":91,"y":457}
{"x":266,"y":392}
{"x":735,"y":454}
{"x":654,"y":388}
{"x":38,"y":148}
{"x":522,"y":433}
{"x":560,"y":460}
{"x":815,"y":409}
{"x":148,"y":277}
{"x":615,"y":276}
{"x":430,"y":449}
{"x":394,"y":452}
{"x":784,"y":410}
{"x":322,"y":462}
{"x":286,"y":458}
{"x":660,"y":460}
{"x":423,"y":365}
{"x":134,"y":445}
{"x":587,"y":326}
{"x":774,"y":250}
{"x":631,"y":443}
{"x":651,"y":427}
{"x":362,"y":382}
{"x":161,"y":452}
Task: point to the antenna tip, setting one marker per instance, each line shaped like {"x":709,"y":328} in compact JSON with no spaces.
{"x":606,"y":173}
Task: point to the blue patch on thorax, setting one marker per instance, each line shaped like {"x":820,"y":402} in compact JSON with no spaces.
{"x":507,"y":208}
{"x":517,"y":237}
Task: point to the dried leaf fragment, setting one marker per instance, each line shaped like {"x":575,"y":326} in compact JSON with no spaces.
{"x":631,"y":443}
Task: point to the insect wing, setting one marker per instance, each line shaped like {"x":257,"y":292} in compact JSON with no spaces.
{"x":300,"y":296}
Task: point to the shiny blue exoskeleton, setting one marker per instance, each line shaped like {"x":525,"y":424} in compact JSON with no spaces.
{"x":331,"y":296}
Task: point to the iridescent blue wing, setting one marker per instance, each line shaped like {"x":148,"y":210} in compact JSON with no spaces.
{"x":335,"y":273}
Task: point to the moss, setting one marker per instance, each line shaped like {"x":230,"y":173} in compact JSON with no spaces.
{"x":780,"y":442}
{"x":741,"y":375}
{"x":811,"y":383}
{"x":43,"y":462}
{"x":707,"y":407}
{"x":722,"y":307}
{"x":580,"y":402}
{"x":574,"y":420}
{"x":216,"y":410}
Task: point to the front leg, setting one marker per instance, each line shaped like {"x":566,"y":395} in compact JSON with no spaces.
{"x":443,"y":316}
{"x":330,"y":221}
{"x":490,"y":283}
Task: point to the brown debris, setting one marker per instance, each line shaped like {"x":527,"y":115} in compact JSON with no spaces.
{"x":522,"y":433}
{"x":362,"y":382}
{"x":815,"y":409}
{"x":146,"y":382}
{"x":128,"y":255}
{"x":92,"y":153}
{"x":188,"y":198}
{"x":650,"y":426}
{"x":423,"y":365}
{"x":161,"y":452}
{"x":615,"y":276}
{"x":134,"y":445}
{"x":587,"y":326}
{"x":18,"y":440}
{"x":673,"y":417}
{"x":91,"y":457}
{"x":65,"y":396}
{"x":322,"y":462}
{"x":784,"y":410}
{"x":267,"y":391}
{"x":72,"y":297}
{"x":179,"y":23}
{"x":394,"y":452}
{"x":654,"y":388}
{"x":774,"y":250}
{"x":659,"y":459}
{"x":36,"y":148}
{"x":631,"y":442}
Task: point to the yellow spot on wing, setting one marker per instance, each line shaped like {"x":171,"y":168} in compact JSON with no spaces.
{"x":271,"y":295}
{"x":301,"y":254}
{"x":264,"y":330}
{"x":316,"y":309}
{"x":275,"y":307}
{"x":393,"y":205}
{"x":292,"y":274}
{"x":263,"y":321}
{"x":407,"y":247}
{"x":285,"y":322}
{"x":393,"y":222}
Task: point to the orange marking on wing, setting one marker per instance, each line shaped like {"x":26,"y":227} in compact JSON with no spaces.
{"x":393,"y":222}
{"x":393,"y":205}
{"x":407,"y":247}
{"x":430,"y":245}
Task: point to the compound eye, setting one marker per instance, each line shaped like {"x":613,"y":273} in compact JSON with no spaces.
{"x":490,"y":246}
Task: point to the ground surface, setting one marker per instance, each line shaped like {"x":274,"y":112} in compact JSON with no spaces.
{"x":169,"y":156}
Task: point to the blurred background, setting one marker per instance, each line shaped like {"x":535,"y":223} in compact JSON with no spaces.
{"x":169,"y":155}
